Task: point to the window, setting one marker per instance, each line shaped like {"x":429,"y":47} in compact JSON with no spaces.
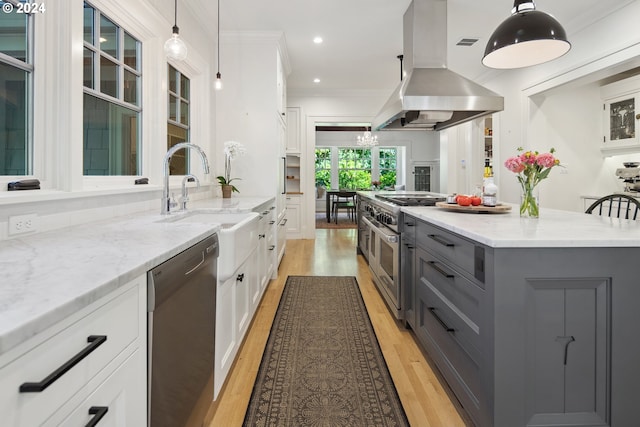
{"x":387,"y":166}
{"x":354,"y":168}
{"x":112,"y":110}
{"x":323,"y":167}
{"x":178,"y":120}
{"x":16,"y":76}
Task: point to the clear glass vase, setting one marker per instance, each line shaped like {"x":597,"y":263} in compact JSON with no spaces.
{"x":529,"y":202}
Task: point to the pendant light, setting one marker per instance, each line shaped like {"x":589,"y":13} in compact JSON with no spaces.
{"x":218,"y":83}
{"x":175,"y":48}
{"x":528,"y":37}
{"x":367,"y":139}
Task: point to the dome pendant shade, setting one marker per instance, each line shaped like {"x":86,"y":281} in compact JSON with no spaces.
{"x":524,"y":39}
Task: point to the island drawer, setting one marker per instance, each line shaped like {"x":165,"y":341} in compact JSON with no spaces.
{"x":450,"y":246}
{"x":448,"y":321}
{"x":463,"y":295}
{"x":449,"y":349}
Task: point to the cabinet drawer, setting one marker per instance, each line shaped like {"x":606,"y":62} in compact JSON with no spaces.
{"x":118,"y":401}
{"x":449,"y":321}
{"x":117,"y":320}
{"x":451,"y":247}
{"x":459,"y":366}
{"x":463,"y":296}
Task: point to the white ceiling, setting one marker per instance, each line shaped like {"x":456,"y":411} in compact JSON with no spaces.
{"x":362,"y":38}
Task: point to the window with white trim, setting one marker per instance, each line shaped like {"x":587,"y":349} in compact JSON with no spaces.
{"x":16,"y":82}
{"x":178,"y":120}
{"x":112,"y":99}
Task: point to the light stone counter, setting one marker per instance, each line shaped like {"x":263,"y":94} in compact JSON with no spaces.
{"x":554,"y":228}
{"x":48,"y":276}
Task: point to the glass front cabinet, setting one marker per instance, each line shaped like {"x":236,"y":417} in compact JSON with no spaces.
{"x":621,"y":117}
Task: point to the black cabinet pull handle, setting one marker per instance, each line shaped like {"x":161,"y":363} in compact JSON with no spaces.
{"x":440,"y":270}
{"x":261,"y":236}
{"x":272,"y":247}
{"x":98,"y":412}
{"x":271,"y":222}
{"x":94,"y":341}
{"x":409,"y":224}
{"x":444,"y":325}
{"x":441,"y":240}
{"x":240,"y":277}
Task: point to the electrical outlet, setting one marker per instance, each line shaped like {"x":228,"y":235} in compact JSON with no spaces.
{"x":21,"y":224}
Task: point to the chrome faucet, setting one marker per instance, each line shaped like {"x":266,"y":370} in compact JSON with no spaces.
{"x":185,"y":195}
{"x":165,"y":207}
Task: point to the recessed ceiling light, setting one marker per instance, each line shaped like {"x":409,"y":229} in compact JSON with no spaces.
{"x":317,"y":40}
{"x":316,"y":80}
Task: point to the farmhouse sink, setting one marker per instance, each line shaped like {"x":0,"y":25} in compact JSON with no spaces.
{"x":237,"y":237}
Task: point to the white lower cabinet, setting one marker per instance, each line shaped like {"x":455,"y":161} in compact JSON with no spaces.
{"x":294,"y":217}
{"x":234,"y":312}
{"x":49,"y":377}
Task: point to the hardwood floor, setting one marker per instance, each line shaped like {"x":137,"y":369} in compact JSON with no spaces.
{"x":333,"y":253}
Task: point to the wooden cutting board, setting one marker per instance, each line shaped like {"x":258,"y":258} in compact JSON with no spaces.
{"x":474,"y":209}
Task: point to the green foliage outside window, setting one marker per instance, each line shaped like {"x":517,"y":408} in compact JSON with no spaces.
{"x":323,"y":167}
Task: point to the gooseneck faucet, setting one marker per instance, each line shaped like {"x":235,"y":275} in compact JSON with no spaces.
{"x":165,"y":207}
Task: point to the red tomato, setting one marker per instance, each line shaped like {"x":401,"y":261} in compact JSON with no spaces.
{"x":464,"y":200}
{"x":476,"y":200}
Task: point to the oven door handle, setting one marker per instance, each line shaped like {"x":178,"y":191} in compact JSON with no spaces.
{"x":388,"y":236}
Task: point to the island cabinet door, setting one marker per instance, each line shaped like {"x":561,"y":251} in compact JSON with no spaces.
{"x":567,"y":352}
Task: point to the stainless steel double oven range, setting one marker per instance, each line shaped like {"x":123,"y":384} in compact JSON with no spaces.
{"x":379,"y":239}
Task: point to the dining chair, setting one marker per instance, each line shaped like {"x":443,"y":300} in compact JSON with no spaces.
{"x":344,"y":200}
{"x":615,"y":206}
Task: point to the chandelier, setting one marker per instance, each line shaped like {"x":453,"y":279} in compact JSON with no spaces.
{"x":367,"y":139}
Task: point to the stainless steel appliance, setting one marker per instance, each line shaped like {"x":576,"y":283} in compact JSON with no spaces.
{"x":379,"y":240}
{"x":630,"y":174}
{"x":181,"y":328}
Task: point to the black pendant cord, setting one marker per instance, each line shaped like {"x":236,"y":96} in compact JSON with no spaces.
{"x":176,"y":30}
{"x":218,"y":75}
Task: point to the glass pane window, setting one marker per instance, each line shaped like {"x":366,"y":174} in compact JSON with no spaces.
{"x":323,"y":167}
{"x":387,"y":166}
{"x":111,"y":138}
{"x":16,"y":74}
{"x":178,"y":121}
{"x":108,"y":37}
{"x":88,"y":24}
{"x":14,"y":33}
{"x":112,"y":108}
{"x":354,"y":168}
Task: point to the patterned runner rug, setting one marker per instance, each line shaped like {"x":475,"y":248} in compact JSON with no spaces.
{"x":322,"y":365}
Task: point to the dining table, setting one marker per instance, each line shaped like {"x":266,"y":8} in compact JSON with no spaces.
{"x":334,"y":192}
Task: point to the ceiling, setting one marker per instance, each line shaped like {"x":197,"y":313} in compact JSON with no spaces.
{"x":362,"y":38}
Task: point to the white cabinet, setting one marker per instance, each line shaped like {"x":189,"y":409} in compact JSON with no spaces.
{"x":107,"y":337}
{"x":252,"y":110}
{"x":234,"y":312}
{"x":281,"y":236}
{"x":294,"y":216}
{"x":294,"y":130}
{"x":621,"y":118}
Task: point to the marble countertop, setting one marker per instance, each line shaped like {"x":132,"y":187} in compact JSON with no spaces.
{"x":554,"y":228}
{"x":46,"y":277}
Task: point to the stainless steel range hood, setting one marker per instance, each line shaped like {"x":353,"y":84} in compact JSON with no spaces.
{"x":432,"y":97}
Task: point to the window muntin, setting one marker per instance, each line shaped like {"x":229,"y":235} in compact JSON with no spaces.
{"x":178,"y":120}
{"x":112,"y":101}
{"x":16,"y":102}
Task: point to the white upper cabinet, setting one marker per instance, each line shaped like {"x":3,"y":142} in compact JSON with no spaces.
{"x":281,"y":88}
{"x":621,"y":117}
{"x":294,"y":130}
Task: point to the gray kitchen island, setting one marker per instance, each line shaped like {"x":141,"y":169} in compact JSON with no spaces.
{"x":532,"y":322}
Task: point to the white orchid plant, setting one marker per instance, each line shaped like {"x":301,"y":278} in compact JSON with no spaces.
{"x":232,"y":149}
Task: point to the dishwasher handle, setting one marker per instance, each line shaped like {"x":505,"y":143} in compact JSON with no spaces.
{"x":197,"y":265}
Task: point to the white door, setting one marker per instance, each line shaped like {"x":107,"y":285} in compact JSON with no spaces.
{"x":424,"y":176}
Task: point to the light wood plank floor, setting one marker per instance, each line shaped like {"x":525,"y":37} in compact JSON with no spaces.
{"x":333,"y":253}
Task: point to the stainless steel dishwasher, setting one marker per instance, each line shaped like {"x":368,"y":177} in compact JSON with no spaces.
{"x":181,"y":328}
